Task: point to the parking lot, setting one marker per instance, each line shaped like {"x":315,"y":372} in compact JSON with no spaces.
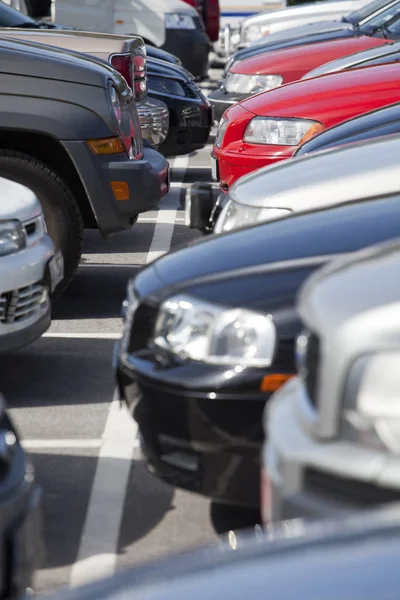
{"x":84,"y":448}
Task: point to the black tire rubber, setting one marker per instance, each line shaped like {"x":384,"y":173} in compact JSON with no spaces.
{"x":61,"y":211}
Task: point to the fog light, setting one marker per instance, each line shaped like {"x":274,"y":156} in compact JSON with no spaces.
{"x":106,"y":146}
{"x":120,"y":190}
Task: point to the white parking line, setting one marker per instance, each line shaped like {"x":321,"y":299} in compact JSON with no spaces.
{"x":84,"y":336}
{"x":97,"y":555}
{"x":43,"y":444}
{"x":165,"y":222}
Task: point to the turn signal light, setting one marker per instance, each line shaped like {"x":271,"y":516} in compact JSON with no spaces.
{"x":120,"y":190}
{"x":106,"y":146}
{"x":314,"y":130}
{"x":271,"y":383}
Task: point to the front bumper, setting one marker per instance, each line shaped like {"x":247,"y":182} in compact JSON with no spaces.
{"x":147,"y":179}
{"x":222,"y":100}
{"x":206,"y":445}
{"x":154,"y":120}
{"x":24,"y":293}
{"x":203,"y":205}
{"x":308,"y":478}
{"x":233,"y":165}
{"x":192,"y":46}
{"x":190,"y":122}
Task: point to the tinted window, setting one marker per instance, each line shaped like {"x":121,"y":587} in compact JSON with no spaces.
{"x":12,"y":18}
{"x":394,"y":27}
{"x":359,"y":15}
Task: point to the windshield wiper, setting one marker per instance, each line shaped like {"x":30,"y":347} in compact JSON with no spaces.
{"x":26,"y":25}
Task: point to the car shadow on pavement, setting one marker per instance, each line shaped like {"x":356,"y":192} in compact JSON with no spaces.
{"x":96,"y":292}
{"x":58,"y":372}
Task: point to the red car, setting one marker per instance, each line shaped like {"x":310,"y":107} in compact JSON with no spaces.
{"x":268,"y":71}
{"x":270,"y":126}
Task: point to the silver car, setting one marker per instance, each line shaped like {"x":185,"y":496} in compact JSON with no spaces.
{"x":29,"y":269}
{"x":333,"y":432}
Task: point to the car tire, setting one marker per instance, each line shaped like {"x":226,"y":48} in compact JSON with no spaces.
{"x":61,"y":212}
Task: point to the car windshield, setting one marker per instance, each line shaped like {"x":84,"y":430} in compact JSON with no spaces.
{"x":392,"y":29}
{"x":371,"y":25}
{"x":358,"y":16}
{"x":9,"y":17}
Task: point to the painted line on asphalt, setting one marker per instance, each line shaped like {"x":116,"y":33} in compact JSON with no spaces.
{"x":97,"y":555}
{"x":43,"y":444}
{"x":84,"y":336}
{"x":165,"y":223}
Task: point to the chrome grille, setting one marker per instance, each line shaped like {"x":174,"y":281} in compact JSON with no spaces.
{"x":21,"y":304}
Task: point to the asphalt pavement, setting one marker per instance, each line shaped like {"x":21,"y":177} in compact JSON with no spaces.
{"x":102,"y":510}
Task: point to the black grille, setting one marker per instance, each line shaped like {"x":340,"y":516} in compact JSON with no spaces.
{"x":311,"y":368}
{"x":347,"y":491}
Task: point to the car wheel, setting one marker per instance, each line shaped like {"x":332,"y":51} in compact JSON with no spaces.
{"x":61,"y":212}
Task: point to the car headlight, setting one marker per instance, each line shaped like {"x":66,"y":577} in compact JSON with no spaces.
{"x":281,"y":132}
{"x":116,"y":104}
{"x":192,"y":329}
{"x":371,"y":411}
{"x":222,"y":127}
{"x":177,"y":21}
{"x":235,"y":215}
{"x":162,"y":85}
{"x":254,"y":32}
{"x":238,"y":83}
{"x":12,"y":237}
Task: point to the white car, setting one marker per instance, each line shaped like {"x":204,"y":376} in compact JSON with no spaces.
{"x":256,"y":28}
{"x":312,"y":182}
{"x":29,"y":268}
{"x":333,"y":432}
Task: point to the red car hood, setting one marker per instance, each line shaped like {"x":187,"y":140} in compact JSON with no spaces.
{"x":293,"y":63}
{"x":331,"y":98}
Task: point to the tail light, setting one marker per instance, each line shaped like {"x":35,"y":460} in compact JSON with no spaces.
{"x":133,"y":69}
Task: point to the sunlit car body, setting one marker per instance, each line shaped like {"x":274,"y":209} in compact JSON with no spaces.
{"x":286,"y":188}
{"x":29,"y":270}
{"x":377,"y":12}
{"x":258,"y":27}
{"x":199,"y":406}
{"x":269,"y":127}
{"x":293,"y":560}
{"x":333,"y":432}
{"x":381,"y":122}
{"x":273,"y":69}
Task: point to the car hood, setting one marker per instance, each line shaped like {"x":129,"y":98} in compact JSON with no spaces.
{"x":384,"y":121}
{"x":332,"y":98}
{"x":299,"y":12}
{"x":17,"y":201}
{"x":302,"y":30}
{"x":288,"y":184}
{"x":292,"y":63}
{"x":289,"y":41}
{"x":36,"y":60}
